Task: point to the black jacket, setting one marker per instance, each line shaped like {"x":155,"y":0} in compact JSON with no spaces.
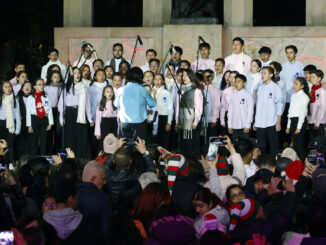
{"x":95,"y":205}
{"x":272,"y":228}
{"x":116,"y":178}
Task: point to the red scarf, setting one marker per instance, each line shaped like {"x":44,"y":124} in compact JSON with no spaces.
{"x":313,"y":92}
{"x":40,"y":111}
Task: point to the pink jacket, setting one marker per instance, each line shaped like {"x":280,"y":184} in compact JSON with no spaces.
{"x":317,"y":109}
{"x":227,"y":93}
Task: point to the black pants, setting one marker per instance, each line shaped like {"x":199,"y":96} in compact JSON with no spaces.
{"x":191,"y":145}
{"x":23,"y":141}
{"x":174,"y":141}
{"x":39,"y":136}
{"x":315,"y":133}
{"x":9,"y":137}
{"x":269,"y":135}
{"x":284,"y":137}
{"x":225,"y":130}
{"x":163,"y":137}
{"x":54,"y":135}
{"x":237,"y":134}
{"x":108,"y":126}
{"x":298,"y":139}
{"x":76,"y":134}
{"x":133,"y":130}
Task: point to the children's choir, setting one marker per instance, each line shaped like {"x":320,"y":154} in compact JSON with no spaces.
{"x":238,"y":96}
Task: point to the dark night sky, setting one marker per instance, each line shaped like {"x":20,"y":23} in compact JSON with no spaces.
{"x":26,"y":27}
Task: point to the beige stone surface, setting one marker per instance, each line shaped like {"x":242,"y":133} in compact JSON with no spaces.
{"x":69,"y":40}
{"x":78,"y":13}
{"x":238,"y":13}
{"x":315,"y":12}
{"x":156,"y":12}
{"x":310,"y":41}
{"x":186,"y":36}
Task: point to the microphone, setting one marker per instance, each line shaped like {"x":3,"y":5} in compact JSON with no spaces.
{"x":90,"y":46}
{"x":139,"y":39}
{"x":201,"y":39}
{"x":71,"y":72}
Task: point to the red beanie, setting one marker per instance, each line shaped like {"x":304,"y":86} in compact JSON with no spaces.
{"x":294,"y":170}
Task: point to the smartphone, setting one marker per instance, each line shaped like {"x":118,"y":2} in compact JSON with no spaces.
{"x":49,"y":159}
{"x":312,"y":156}
{"x":2,"y":168}
{"x":6,"y":238}
{"x":62,"y":153}
{"x":218,"y":139}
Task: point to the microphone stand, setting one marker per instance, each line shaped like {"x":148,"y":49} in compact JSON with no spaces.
{"x":165,"y":57}
{"x":134,"y":53}
{"x":197,"y":58}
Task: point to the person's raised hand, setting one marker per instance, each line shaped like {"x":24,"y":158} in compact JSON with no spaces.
{"x":211,"y":163}
{"x":272,"y":188}
{"x":70,"y":153}
{"x":229,"y":145}
{"x":140,"y":145}
{"x":8,"y":176}
{"x":56,"y":159}
{"x":288,"y":185}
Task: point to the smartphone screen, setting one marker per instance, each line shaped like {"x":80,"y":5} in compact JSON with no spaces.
{"x":6,"y":238}
{"x":312,"y":156}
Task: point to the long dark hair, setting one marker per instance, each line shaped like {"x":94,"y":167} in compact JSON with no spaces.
{"x":305,"y":89}
{"x":1,"y":93}
{"x":223,"y":82}
{"x":159,"y":74}
{"x":94,"y":77}
{"x":33,"y":89}
{"x":229,"y":189}
{"x":49,"y":77}
{"x":50,"y":69}
{"x":192,"y":77}
{"x":70,"y":83}
{"x":206,"y":196}
{"x":103,"y":100}
{"x":20,"y":96}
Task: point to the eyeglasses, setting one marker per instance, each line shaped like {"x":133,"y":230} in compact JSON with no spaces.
{"x":237,"y":194}
{"x":153,"y":65}
{"x":50,"y":204}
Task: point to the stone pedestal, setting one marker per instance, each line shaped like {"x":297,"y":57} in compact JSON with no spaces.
{"x":78,"y":13}
{"x":238,"y":13}
{"x":315,"y":12}
{"x":156,"y":13}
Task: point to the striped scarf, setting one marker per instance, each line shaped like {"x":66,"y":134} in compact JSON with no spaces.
{"x":177,"y":165}
{"x":222,"y":166}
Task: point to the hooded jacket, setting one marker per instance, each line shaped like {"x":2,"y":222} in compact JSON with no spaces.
{"x":71,"y":227}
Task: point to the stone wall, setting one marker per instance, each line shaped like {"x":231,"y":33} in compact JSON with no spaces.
{"x":311,"y":41}
{"x":69,"y":40}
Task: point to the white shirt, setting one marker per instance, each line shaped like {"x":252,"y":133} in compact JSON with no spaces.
{"x":298,"y":108}
{"x":164,"y":103}
{"x":45,"y":69}
{"x":251,"y":169}
{"x":263,"y":64}
{"x":31,"y":109}
{"x":145,"y":67}
{"x":117,"y":63}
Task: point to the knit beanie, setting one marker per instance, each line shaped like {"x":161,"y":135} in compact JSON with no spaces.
{"x":294,"y":170}
{"x":177,"y":165}
{"x":211,"y":224}
{"x":246,"y":209}
{"x":110,"y":143}
{"x":222,"y":166}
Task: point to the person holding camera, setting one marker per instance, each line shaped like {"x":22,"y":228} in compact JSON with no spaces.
{"x":132,"y":101}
